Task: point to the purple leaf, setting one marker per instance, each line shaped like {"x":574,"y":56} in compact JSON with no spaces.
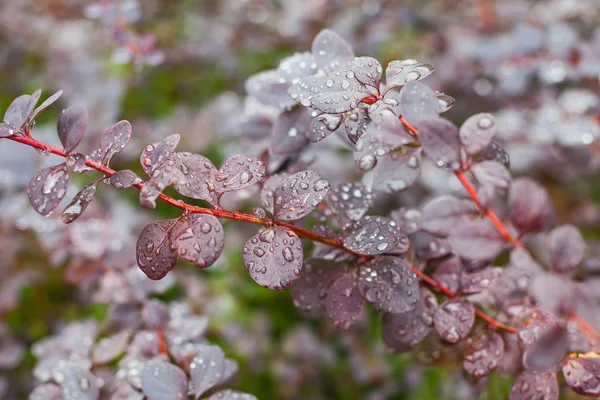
{"x":448,"y":273}
{"x":477,"y":132}
{"x":299,"y":195}
{"x":567,"y":247}
{"x":323,"y":125}
{"x":417,"y":102}
{"x":441,"y":215}
{"x":397,"y":171}
{"x":309,"y":291}
{"x":356,"y":123}
{"x":210,"y":368}
{"x":274,"y":257}
{"x":153,"y":250}
{"x":79,"y":203}
{"x":46,"y":391}
{"x":399,"y":73}
{"x":231,"y":395}
{"x":198,"y":238}
{"x":79,"y":384}
{"x":270,"y":88}
{"x":330,"y":50}
{"x":297,"y":66}
{"x":476,"y":240}
{"x":491,"y":173}
{"x":7,"y":130}
{"x":440,"y":141}
{"x":267,"y":194}
{"x":164,"y":381}
{"x":454,"y":319}
{"x":259,"y":212}
{"x":495,"y":152}
{"x":164,"y":175}
{"x":19,"y":110}
{"x":367,"y":70}
{"x":479,"y":281}
{"x":155,"y":154}
{"x":549,"y":348}
{"x":288,"y":135}
{"x":111,"y":347}
{"x":349,"y":201}
{"x":72,"y":125}
{"x":75,"y":162}
{"x":197,"y":178}
{"x":482,"y":353}
{"x":114,"y":139}
{"x":535,"y":385}
{"x":48,"y":187}
{"x":124,"y":179}
{"x":47,"y":103}
{"x":389,"y":284}
{"x":372,"y":235}
{"x":582,"y":374}
{"x":239,"y":172}
{"x":529,"y":206}
{"x":344,"y":303}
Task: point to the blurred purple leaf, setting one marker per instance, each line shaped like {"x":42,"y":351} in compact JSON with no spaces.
{"x":309,"y":291}
{"x":440,"y":141}
{"x":477,"y":132}
{"x":529,"y":206}
{"x":288,"y":135}
{"x":330,"y":50}
{"x":491,"y":173}
{"x":417,"y":102}
{"x":344,"y":303}
{"x":482,"y":353}
{"x":164,"y":381}
{"x":567,"y":248}
{"x":534,"y":385}
{"x":210,"y":368}
{"x":441,"y":215}
{"x":72,"y":125}
{"x":454,"y":319}
{"x":476,"y":240}
{"x":397,"y":171}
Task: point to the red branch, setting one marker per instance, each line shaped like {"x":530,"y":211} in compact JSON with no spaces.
{"x":222,"y":213}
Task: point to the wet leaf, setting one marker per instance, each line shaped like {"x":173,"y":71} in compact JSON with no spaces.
{"x":479,"y":281}
{"x":535,"y":385}
{"x":529,"y":206}
{"x":7,"y":130}
{"x":47,"y":103}
{"x":79,"y":203}
{"x":442,"y":215}
{"x":288,"y":135}
{"x":491,"y":173}
{"x":448,"y":273}
{"x":110,"y":347}
{"x":356,"y":123}
{"x":495,"y":152}
{"x":397,"y":171}
{"x":231,"y":395}
{"x":567,"y":247}
{"x":299,"y":195}
{"x":79,"y":384}
{"x":71,"y":127}
{"x":155,"y":154}
{"x":124,"y":179}
{"x":477,"y":132}
{"x":267,"y":194}
{"x":349,"y":201}
{"x":417,"y":102}
{"x":548,"y":349}
{"x":270,"y":88}
{"x":198,"y":238}
{"x":210,"y":368}
{"x":454,"y":319}
{"x":274,"y":257}
{"x":400,"y":72}
{"x":440,"y":141}
{"x":389,"y":284}
{"x":330,"y":50}
{"x":372,"y":235}
{"x":76,"y":162}
{"x":153,"y":250}
{"x":239,"y":172}
{"x":19,"y":110}
{"x":309,"y":291}
{"x":582,"y":374}
{"x":367,"y":70}
{"x":197,"y":178}
{"x":47,"y":188}
{"x":164,"y":381}
{"x":344,"y":303}
{"x":482,"y":353}
{"x":164,"y":175}
{"x":476,"y":240}
{"x":323,"y":125}
{"x":114,"y":140}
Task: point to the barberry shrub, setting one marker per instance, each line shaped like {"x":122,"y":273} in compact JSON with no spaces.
{"x":436,"y":273}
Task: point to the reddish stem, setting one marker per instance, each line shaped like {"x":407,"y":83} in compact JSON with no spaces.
{"x":162,"y":342}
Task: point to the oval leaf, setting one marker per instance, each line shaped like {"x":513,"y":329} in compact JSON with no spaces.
{"x":454,"y":319}
{"x":124,"y":179}
{"x":299,"y":195}
{"x":349,"y":201}
{"x":476,"y":240}
{"x":79,"y":203}
{"x":440,"y":141}
{"x":330,"y":50}
{"x":47,"y":188}
{"x":164,"y":381}
{"x":198,"y":238}
{"x":72,"y":125}
{"x":153,"y":250}
{"x":210,"y":368}
{"x":417,"y":102}
{"x":239,"y":172}
{"x":344,"y":303}
{"x":309,"y":291}
{"x":372,"y":235}
{"x":566,"y":247}
{"x":482,"y":353}
{"x":529,"y":206}
{"x":535,"y":385}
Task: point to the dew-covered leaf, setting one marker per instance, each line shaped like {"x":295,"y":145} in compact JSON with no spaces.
{"x":76,"y":162}
{"x":482,"y":353}
{"x":476,"y":282}
{"x":448,"y":273}
{"x":442,"y":215}
{"x":164,"y":175}
{"x":19,"y":110}
{"x":400,"y":72}
{"x":397,"y":170}
{"x":197,"y":176}
{"x":310,"y":290}
{"x":440,"y":141}
{"x":531,"y":385}
{"x":349,"y":201}
{"x":454,"y":319}
{"x":491,"y":173}
{"x":210,"y":368}
{"x":288,"y":135}
{"x":476,"y":240}
{"x":389,"y":284}
{"x":323,"y":125}
{"x":429,"y":247}
{"x":46,"y":391}
{"x":356,"y":123}
{"x":372,"y":235}
{"x":124,"y":179}
{"x":495,"y":152}
{"x":198,"y":238}
{"x":330,"y":50}
{"x":47,"y":103}
{"x":274,"y":257}
{"x":153,"y":250}
{"x":114,"y":139}
{"x":567,"y":247}
{"x":408,"y":219}
{"x":367,"y":70}
{"x":231,"y":395}
{"x":299,"y":194}
{"x":48,"y":187}
{"x":239,"y":172}
{"x":536,"y":322}
{"x":417,"y":102}
{"x":71,"y":127}
{"x":477,"y":132}
{"x":529,"y":206}
{"x":7,"y":130}
{"x":267,"y":194}
{"x":582,"y":374}
{"x":548,"y":349}
{"x":110,"y":347}
{"x":344,"y":303}
{"x":79,"y":384}
{"x":155,"y":154}
{"x":259,"y":212}
{"x":79,"y":203}
{"x":270,"y":88}
{"x":164,"y":381}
